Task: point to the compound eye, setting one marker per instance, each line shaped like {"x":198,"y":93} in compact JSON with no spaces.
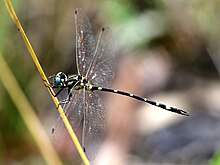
{"x":60,"y":79}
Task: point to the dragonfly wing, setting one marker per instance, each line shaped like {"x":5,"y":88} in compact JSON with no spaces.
{"x":74,"y":111}
{"x":94,"y":124}
{"x":85,"y":42}
{"x":101,"y":70}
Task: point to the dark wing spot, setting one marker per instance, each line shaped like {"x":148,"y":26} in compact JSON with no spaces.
{"x":52,"y":131}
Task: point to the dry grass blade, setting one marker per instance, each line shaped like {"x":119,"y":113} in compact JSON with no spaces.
{"x":30,"y":118}
{"x":34,"y":57}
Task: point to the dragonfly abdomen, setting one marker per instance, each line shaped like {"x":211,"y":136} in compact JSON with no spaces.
{"x":160,"y":105}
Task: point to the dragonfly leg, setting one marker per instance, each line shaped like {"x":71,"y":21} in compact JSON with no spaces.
{"x":65,"y":101}
{"x":50,"y":85}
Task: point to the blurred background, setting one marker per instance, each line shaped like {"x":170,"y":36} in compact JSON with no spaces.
{"x":166,"y":50}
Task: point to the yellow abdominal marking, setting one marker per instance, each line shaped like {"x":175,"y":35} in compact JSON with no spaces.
{"x":89,"y":85}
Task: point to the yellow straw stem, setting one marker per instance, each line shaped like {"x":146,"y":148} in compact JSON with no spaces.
{"x":30,"y":118}
{"x":34,"y":57}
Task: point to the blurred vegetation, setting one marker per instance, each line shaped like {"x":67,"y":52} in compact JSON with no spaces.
{"x":184,"y":34}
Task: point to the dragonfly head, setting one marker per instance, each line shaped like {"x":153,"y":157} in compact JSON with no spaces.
{"x":60,"y":79}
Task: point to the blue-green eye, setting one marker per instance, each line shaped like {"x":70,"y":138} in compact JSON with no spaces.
{"x":60,"y":79}
{"x":57,"y":80}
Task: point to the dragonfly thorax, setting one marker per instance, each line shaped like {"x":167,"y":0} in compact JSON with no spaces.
{"x":83,"y":83}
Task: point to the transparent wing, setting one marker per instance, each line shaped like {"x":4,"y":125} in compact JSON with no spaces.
{"x":74,"y":111}
{"x":85,"y":42}
{"x":94,"y":124}
{"x":101,"y":70}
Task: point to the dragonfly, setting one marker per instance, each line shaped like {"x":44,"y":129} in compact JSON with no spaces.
{"x":95,"y":66}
